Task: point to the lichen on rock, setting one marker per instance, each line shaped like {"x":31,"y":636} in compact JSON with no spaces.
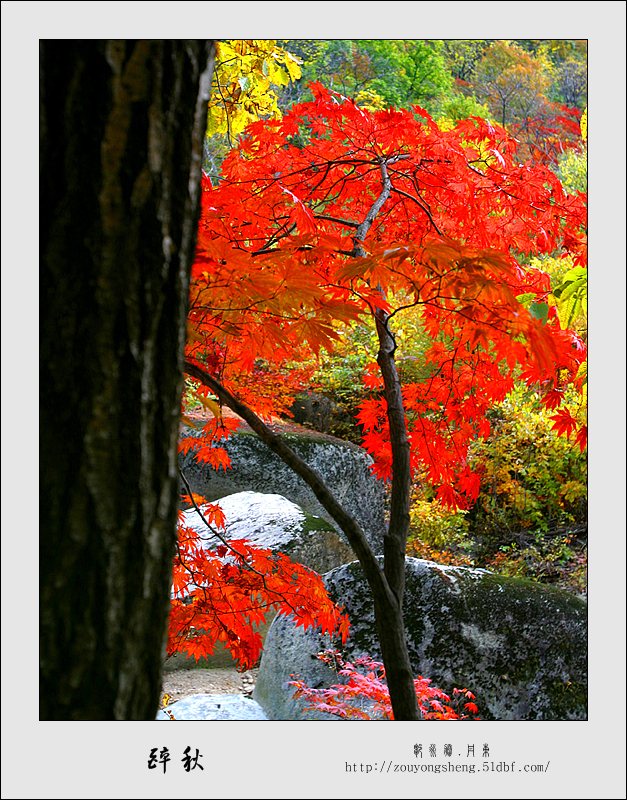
{"x":520,"y":647}
{"x":343,"y":466}
{"x":274,"y":522}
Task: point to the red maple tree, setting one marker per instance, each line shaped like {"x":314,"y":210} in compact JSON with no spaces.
{"x":335,"y":214}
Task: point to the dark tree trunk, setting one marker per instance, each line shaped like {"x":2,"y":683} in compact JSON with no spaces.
{"x":122,"y":124}
{"x":388,"y":606}
{"x":389,"y":614}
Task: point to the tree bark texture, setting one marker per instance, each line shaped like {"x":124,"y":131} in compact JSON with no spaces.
{"x":122,"y":124}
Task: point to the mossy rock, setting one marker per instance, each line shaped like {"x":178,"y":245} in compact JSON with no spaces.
{"x":344,"y":467}
{"x":273,"y":522}
{"x":520,"y":647}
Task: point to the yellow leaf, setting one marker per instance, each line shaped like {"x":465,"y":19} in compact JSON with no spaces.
{"x":584,"y":125}
{"x":245,"y":72}
{"x":293,"y":67}
{"x":189,"y":421}
{"x":211,"y":405}
{"x":582,"y":372}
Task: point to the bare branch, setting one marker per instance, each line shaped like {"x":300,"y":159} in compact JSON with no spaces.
{"x":348,"y":222}
{"x":364,"y":227}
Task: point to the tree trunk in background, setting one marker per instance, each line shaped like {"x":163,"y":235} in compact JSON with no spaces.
{"x":122,"y":124}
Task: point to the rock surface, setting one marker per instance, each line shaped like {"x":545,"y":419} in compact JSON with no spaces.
{"x":343,"y":466}
{"x":520,"y":647}
{"x":214,"y":707}
{"x":271,"y":521}
{"x":322,"y":413}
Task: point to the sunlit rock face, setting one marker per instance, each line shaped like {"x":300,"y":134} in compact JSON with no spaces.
{"x":273,"y":522}
{"x":213,"y":707}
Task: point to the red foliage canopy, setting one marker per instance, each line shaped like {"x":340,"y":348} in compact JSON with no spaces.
{"x":335,"y":214}
{"x":277,"y":268}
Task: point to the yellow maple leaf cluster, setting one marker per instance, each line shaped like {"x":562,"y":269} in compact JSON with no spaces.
{"x":584,"y":126}
{"x":247,"y":74}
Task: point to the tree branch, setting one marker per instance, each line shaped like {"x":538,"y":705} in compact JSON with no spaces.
{"x":420,"y":204}
{"x":348,"y":524}
{"x":348,"y":222}
{"x":396,"y":539}
{"x":364,"y":227}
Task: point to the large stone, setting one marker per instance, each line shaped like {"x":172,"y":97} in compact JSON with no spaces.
{"x":519,"y":646}
{"x":273,"y":522}
{"x":343,"y":466}
{"x":212,"y":707}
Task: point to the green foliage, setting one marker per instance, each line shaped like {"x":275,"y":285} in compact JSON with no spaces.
{"x":567,"y":60}
{"x":560,"y":560}
{"x":410,"y":71}
{"x":562,"y":61}
{"x":530,"y":518}
{"x":445,"y":77}
{"x":339,"y":375}
{"x":437,"y":533}
{"x":534,"y":481}
{"x":460,"y":107}
{"x":569,"y":291}
{"x":557,"y":50}
{"x":572,"y":166}
{"x":390,"y":72}
{"x":412,"y":343}
{"x":572,"y":297}
{"x":463,"y":55}
{"x":571,"y":83}
{"x":512,"y":82}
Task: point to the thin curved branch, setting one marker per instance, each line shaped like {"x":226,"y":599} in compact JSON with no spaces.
{"x":351,"y":528}
{"x":420,"y":204}
{"x":347,"y":222}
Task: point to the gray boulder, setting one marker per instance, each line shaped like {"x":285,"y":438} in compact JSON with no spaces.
{"x":343,"y":466}
{"x":212,"y":707}
{"x":519,"y":646}
{"x":273,"y":522}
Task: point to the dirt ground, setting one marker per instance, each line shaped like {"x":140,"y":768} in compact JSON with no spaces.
{"x":183,"y":682}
